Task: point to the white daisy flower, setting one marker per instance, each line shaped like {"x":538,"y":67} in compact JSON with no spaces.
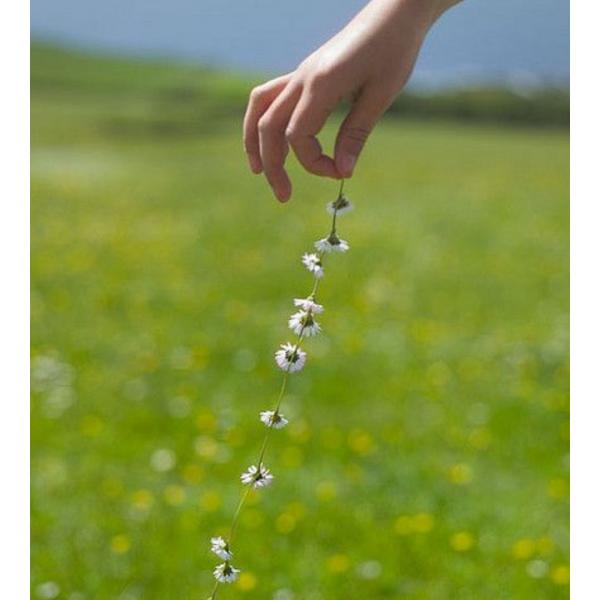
{"x":340,"y":206}
{"x":221,"y":548}
{"x":303,"y":323}
{"x":332,"y":244}
{"x":225,"y":573}
{"x":257,"y":477}
{"x":308,"y":304}
{"x":273,"y":419}
{"x":290,"y":358}
{"x":313,"y":263}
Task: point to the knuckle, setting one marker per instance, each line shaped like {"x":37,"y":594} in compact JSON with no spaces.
{"x":321,"y":77}
{"x":265,"y":125}
{"x":356,"y":134}
{"x":308,"y":63}
{"x":324,"y":73}
{"x":292,"y":133}
{"x":256,"y":93}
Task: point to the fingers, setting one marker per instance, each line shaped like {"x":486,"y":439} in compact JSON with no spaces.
{"x":355,"y":130}
{"x":261,"y":98}
{"x":272,"y":143}
{"x":307,"y":120}
{"x":284,"y":111}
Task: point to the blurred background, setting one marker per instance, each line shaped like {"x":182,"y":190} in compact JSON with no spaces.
{"x":427,"y":454}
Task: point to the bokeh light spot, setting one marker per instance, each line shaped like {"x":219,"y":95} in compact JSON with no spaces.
{"x":370,"y":569}
{"x":285,"y":523}
{"x":206,"y":421}
{"x":338,"y":563}
{"x":163,"y":460}
{"x":361,"y":442}
{"x":460,"y":474}
{"x":246,"y":581}
{"x":462,"y":541}
{"x":560,"y":575}
{"x":423,"y":522}
{"x":142,"y":500}
{"x":47,"y":590}
{"x":558,"y":488}
{"x":545,"y":545}
{"x":120,"y":544}
{"x":523,"y":549}
{"x":537,"y":568}
{"x":174,"y":495}
{"x":326,"y":491}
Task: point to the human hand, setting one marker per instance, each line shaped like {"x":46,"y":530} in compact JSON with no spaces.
{"x":368,"y":63}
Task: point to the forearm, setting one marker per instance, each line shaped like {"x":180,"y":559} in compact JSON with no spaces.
{"x":421,"y":14}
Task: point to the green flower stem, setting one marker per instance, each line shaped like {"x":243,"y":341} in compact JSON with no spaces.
{"x":236,"y":515}
{"x":213,"y":594}
{"x":335,"y":211}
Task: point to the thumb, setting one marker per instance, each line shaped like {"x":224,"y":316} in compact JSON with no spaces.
{"x":354,"y":132}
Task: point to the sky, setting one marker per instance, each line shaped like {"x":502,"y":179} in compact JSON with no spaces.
{"x":519,"y":42}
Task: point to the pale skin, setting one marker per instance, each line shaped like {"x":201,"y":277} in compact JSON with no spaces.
{"x":368,"y":63}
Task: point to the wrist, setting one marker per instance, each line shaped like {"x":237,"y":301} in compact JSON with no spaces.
{"x":440,"y":7}
{"x":422,"y":13}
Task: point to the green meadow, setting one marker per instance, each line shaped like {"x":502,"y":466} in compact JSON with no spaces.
{"x":427,"y":452}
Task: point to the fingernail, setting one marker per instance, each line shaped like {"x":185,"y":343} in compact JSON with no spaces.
{"x":347,"y":162}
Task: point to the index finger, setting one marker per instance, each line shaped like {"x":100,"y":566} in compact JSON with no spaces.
{"x":261,"y":97}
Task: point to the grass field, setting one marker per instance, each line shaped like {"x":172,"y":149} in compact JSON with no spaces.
{"x":427,"y":455}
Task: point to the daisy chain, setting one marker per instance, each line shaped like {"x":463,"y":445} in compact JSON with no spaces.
{"x":290,"y":358}
{"x":303,"y":323}
{"x":221,"y":548}
{"x":313,"y":263}
{"x":226,"y":573}
{"x":257,"y":476}
{"x":308,"y":304}
{"x":273,"y":419}
{"x":340,"y":206}
{"x":332,"y":244}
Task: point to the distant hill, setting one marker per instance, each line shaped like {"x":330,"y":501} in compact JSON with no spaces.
{"x":130,"y":97}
